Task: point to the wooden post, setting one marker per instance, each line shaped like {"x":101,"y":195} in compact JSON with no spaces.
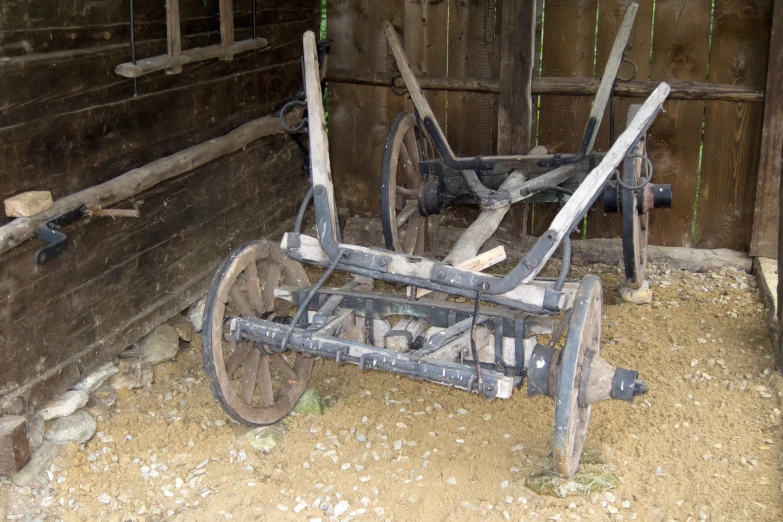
{"x":766,"y":215}
{"x":515,"y":106}
{"x":173,"y":33}
{"x":14,"y":444}
{"x":227,"y":25}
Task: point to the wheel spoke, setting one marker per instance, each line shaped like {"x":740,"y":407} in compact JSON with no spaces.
{"x":411,"y":208}
{"x":271,"y":282}
{"x":412,"y":233}
{"x":237,"y":358}
{"x":239,"y":301}
{"x":250,"y":376}
{"x":406,"y":192}
{"x":265,"y":382}
{"x":254,"y":287}
{"x":411,"y":176}
{"x":282,"y":366}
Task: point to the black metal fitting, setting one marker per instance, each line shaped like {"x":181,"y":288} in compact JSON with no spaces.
{"x":429,"y":203}
{"x":50,"y":233}
{"x":623,"y":384}
{"x":540,"y":369}
{"x":475,"y":163}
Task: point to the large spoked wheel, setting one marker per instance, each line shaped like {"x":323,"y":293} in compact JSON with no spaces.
{"x":252,"y":387}
{"x":584,"y":335}
{"x":404,"y":228}
{"x":635,"y":223}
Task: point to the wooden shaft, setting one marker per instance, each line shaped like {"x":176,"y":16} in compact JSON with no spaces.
{"x":680,"y":90}
{"x":142,"y":178}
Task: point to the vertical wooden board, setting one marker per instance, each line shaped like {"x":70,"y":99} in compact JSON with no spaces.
{"x":680,"y":52}
{"x":425,"y":42}
{"x":348,"y":27}
{"x":471,"y":54}
{"x":732,"y":131}
{"x":568,"y":51}
{"x":610,"y":17}
{"x":766,"y":215}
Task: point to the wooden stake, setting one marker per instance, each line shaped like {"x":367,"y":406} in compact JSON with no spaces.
{"x":14,"y":444}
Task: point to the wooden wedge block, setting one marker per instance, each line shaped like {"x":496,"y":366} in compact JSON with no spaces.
{"x":28,"y":203}
{"x":401,"y":336}
{"x":14,"y":444}
{"x":477,"y":264}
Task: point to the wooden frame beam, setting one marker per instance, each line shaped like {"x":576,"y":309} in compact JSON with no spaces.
{"x":764,"y":242}
{"x":173,"y":34}
{"x":680,"y":90}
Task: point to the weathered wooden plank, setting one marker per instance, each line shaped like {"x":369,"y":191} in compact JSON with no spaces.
{"x":81,"y":149}
{"x":158,"y":262}
{"x":356,"y":179}
{"x":766,"y":216}
{"x":14,"y":444}
{"x":226,"y":9}
{"x":74,"y":80}
{"x":681,"y":90}
{"x":568,"y":51}
{"x":610,"y":16}
{"x":680,"y":52}
{"x":471,"y":54}
{"x":732,"y":131}
{"x":198,"y":54}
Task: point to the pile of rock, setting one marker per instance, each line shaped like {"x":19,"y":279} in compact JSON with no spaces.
{"x":70,"y":418}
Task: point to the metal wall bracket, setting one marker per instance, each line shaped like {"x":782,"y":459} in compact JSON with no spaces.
{"x":50,"y":233}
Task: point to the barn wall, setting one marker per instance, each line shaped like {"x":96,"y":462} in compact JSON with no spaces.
{"x":68,"y":122}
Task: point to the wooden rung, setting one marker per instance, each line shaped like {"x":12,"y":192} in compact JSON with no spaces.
{"x":226,"y":25}
{"x":14,"y":444}
{"x":199,"y":54}
{"x":476,"y":264}
{"x":173,"y":34}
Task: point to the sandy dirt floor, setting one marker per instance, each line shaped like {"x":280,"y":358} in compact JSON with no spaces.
{"x":703,"y":444}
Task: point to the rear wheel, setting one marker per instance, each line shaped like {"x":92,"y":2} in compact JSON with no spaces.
{"x":635,"y":223}
{"x":404,"y":228}
{"x":252,"y":386}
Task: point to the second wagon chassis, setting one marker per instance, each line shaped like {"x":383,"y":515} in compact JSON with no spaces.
{"x":422,"y":176}
{"x":263,"y":317}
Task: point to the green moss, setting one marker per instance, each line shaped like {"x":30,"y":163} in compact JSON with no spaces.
{"x":310,"y":403}
{"x":583,"y":483}
{"x":266,"y":438}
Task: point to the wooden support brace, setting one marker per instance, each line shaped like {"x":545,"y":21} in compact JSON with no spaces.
{"x":476,"y":264}
{"x":401,"y":336}
{"x":173,"y":34}
{"x":14,"y":444}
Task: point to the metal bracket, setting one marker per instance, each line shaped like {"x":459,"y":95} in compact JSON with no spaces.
{"x":50,"y":233}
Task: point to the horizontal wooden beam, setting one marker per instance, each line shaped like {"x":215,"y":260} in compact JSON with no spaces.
{"x":198,"y":54}
{"x":138,"y":180}
{"x":561,"y":86}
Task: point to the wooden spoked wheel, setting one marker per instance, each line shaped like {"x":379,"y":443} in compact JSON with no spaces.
{"x":404,"y":228}
{"x":635,"y":223}
{"x":584,"y":334}
{"x":251,"y":386}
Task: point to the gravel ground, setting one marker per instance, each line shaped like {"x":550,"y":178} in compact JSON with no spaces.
{"x":703,"y":444}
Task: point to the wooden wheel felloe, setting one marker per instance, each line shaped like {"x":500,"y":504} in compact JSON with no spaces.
{"x":584,"y":335}
{"x":250,"y":385}
{"x":404,"y":228}
{"x":635,"y":221}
